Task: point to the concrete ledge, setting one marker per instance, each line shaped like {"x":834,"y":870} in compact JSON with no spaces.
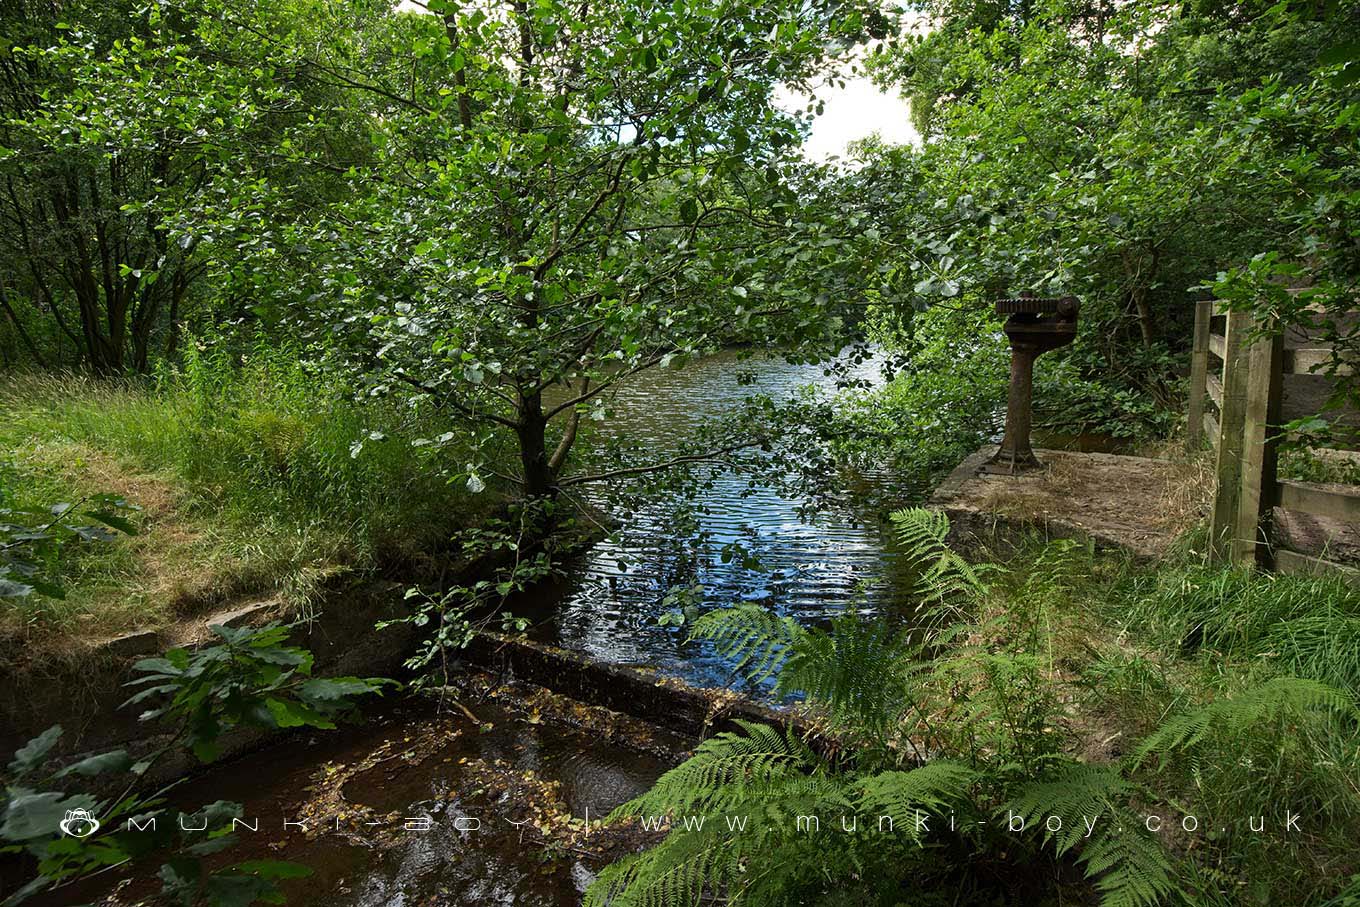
{"x":642,"y":694}
{"x":1110,"y":501}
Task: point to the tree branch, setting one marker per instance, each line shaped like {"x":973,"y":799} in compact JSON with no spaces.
{"x":658,"y":467}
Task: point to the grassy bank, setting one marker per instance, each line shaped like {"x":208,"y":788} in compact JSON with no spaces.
{"x":254,"y":478}
{"x":1189,"y":649}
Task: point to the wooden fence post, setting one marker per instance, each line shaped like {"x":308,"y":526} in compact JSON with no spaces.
{"x":1260,"y":493}
{"x":1223,"y":521}
{"x":1199,"y":373}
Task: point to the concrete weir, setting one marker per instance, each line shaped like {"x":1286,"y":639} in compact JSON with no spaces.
{"x":634,"y":691}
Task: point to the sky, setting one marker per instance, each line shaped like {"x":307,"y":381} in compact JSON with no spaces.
{"x":853,"y":112}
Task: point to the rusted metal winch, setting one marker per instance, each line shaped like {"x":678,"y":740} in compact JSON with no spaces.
{"x":1036,"y":325}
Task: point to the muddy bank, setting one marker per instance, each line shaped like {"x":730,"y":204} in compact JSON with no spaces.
{"x":82,"y":689}
{"x":1138,"y":505}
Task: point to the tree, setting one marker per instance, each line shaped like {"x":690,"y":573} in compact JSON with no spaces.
{"x":86,"y":257}
{"x":1116,"y":152}
{"x":556,"y":196}
{"x":117,"y":125}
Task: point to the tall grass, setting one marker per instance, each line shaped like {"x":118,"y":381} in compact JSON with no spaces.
{"x":1304,"y":626}
{"x":256,"y":474}
{"x":1184,"y":634}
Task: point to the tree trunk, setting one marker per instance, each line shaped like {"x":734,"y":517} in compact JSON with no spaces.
{"x":19,"y":327}
{"x":1140,"y":305}
{"x":539,"y":480}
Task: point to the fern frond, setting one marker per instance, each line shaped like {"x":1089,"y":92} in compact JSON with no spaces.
{"x":922,"y":533}
{"x":1233,"y":717}
{"x":858,"y":671}
{"x":931,"y":788}
{"x":1129,"y":865}
{"x":756,"y":640}
{"x":672,"y":874}
{"x":944,"y":573}
{"x":1079,"y":791}
{"x":723,"y":762}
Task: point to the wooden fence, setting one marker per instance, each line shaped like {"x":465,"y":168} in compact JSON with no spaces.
{"x":1236,"y":406}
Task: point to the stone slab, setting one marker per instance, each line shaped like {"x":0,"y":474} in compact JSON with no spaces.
{"x":1110,"y":500}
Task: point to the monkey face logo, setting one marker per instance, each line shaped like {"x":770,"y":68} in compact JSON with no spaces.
{"x":79,"y":823}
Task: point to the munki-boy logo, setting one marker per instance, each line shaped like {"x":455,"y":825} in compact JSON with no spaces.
{"x":79,"y":823}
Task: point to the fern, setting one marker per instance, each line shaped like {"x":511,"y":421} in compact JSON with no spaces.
{"x":931,"y":788}
{"x":756,"y":640}
{"x":945,"y":574}
{"x":766,"y":775}
{"x":722,"y":768}
{"x":1130,"y":866}
{"x":1232,"y":718}
{"x":859,"y":671}
{"x":986,"y":707}
{"x":1078,"y":790}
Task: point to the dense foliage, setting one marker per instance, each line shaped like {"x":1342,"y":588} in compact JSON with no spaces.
{"x":1130,"y":154}
{"x":955,"y":765}
{"x":293,"y":289}
{"x":250,"y":677}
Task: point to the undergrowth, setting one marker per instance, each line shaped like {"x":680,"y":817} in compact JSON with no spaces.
{"x":254,"y":475}
{"x":1067,"y":728}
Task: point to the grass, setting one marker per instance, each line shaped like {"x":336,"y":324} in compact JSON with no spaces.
{"x":1321,"y":465}
{"x":255,"y":478}
{"x":1146,"y":643}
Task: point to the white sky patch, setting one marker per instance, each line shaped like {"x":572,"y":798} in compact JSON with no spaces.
{"x":859,"y":108}
{"x":853,"y":111}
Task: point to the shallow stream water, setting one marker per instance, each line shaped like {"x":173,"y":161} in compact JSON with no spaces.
{"x":421,"y":762}
{"x":610,"y":602}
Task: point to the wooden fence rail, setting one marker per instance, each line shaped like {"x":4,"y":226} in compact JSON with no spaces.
{"x":1237,"y":382}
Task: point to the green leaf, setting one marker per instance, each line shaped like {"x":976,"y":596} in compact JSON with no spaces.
{"x":38,"y":815}
{"x":112,"y":761}
{"x":112,"y":520}
{"x":296,"y":714}
{"x":336,"y":689}
{"x":1340,"y":54}
{"x":31,"y":754}
{"x":273,"y":869}
{"x":206,"y":750}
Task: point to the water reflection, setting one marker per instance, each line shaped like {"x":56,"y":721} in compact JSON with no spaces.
{"x":610,"y":603}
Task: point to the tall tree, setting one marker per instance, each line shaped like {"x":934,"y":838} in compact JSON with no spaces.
{"x":85,"y":256}
{"x":555,"y":196}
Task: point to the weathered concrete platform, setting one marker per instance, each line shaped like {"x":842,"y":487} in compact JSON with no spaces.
{"x":1134,"y":504}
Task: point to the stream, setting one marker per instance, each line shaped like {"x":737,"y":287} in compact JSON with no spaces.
{"x":609,"y":605}
{"x":354,"y":791}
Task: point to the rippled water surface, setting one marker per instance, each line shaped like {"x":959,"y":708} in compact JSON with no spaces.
{"x":613,"y":596}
